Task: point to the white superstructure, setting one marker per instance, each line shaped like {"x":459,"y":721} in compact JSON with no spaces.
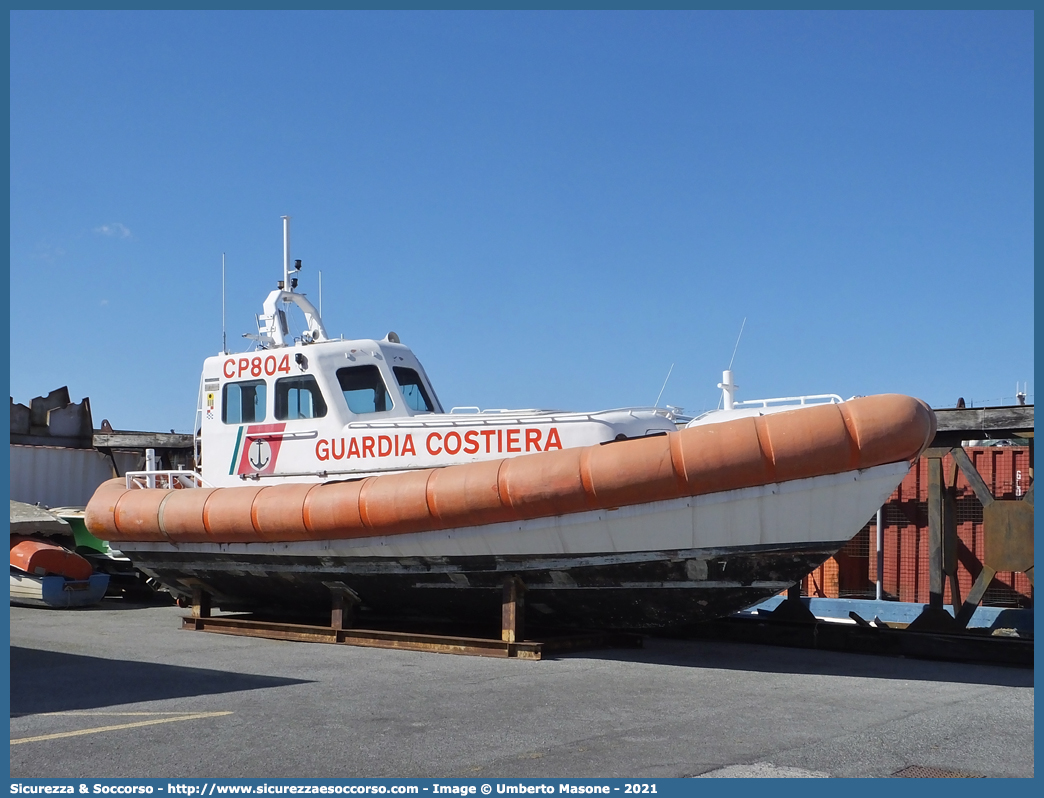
{"x":309,"y":408}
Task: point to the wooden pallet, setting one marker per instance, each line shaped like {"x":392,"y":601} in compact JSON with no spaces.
{"x":511,"y":645}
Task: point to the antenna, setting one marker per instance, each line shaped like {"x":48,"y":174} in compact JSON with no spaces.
{"x":286,"y":253}
{"x":320,"y":293}
{"x":664,"y":385}
{"x":744,"y":324}
{"x":728,"y":387}
{"x":224,"y":342}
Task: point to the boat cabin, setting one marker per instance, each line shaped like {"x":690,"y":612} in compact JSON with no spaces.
{"x":311,"y":408}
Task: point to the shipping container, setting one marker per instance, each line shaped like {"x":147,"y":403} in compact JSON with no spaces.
{"x":55,"y":476}
{"x":852,"y":573}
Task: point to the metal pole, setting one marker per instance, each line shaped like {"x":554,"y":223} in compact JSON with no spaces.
{"x":286,"y":253}
{"x":880,"y":553}
{"x":727,"y":388}
{"x":150,"y":465}
{"x":224,"y":339}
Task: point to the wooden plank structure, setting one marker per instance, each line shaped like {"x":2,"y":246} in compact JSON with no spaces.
{"x":955,"y":425}
{"x":1007,"y":525}
{"x":171,"y":448}
{"x":119,"y":439}
{"x":1007,"y":528}
{"x":512,"y":644}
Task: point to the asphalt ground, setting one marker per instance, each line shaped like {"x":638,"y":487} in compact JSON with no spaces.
{"x":121,"y":691}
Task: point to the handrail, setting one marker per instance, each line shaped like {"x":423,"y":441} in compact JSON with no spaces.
{"x":476,"y":410}
{"x":197,"y":424}
{"x":817,"y":398}
{"x":498,"y":416}
{"x":776,"y":404}
{"x":165,"y":480}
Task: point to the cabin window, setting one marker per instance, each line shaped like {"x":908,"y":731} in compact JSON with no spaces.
{"x":364,"y":389}
{"x":413,"y":389}
{"x":298,"y":397}
{"x":243,"y":402}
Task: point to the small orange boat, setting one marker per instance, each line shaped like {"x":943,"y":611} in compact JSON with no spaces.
{"x":46,"y":575}
{"x":39,"y":558}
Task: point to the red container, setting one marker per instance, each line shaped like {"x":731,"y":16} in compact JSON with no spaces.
{"x":852,"y":573}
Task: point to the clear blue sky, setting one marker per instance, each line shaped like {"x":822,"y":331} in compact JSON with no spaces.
{"x":550,"y":208}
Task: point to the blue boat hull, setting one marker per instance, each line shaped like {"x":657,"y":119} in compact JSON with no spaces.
{"x":56,"y":592}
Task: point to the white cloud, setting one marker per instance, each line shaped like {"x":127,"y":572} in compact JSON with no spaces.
{"x":115,"y":229}
{"x":48,"y":253}
{"x":104,"y":302}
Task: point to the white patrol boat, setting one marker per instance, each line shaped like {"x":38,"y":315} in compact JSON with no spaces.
{"x":330,"y":465}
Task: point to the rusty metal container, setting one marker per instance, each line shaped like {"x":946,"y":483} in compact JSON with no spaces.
{"x":852,"y":573}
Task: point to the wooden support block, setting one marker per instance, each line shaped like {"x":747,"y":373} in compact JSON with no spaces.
{"x":343,"y":601}
{"x":337,"y":613}
{"x":200,"y":602}
{"x":249,"y":626}
{"x":513,"y":611}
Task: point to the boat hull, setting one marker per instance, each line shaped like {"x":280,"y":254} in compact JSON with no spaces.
{"x":56,"y":592}
{"x":647,"y":590}
{"x":645,"y":566}
{"x":40,"y":558}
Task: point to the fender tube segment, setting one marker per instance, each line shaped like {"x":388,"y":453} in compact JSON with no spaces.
{"x":780,"y":447}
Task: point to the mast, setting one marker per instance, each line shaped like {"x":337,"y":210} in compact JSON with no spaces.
{"x":224,"y":337}
{"x":728,"y":389}
{"x":272,"y":324}
{"x":286,"y":254}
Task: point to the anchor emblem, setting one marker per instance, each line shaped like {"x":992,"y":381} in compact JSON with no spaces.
{"x":260,"y":453}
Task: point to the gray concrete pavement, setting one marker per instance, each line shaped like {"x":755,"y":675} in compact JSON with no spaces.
{"x":191,"y":704}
